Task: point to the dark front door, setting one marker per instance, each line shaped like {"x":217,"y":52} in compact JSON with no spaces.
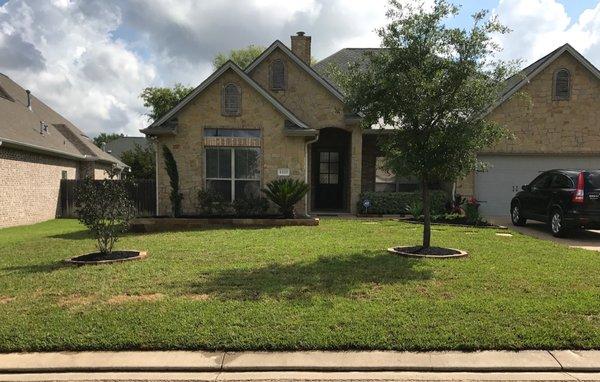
{"x":329,"y":188}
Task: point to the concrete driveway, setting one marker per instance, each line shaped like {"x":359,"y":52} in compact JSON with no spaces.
{"x":586,"y":239}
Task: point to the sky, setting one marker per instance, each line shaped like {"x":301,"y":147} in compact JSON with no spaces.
{"x":90,"y":60}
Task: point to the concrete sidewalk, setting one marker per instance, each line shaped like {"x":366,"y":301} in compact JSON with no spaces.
{"x":562,"y":361}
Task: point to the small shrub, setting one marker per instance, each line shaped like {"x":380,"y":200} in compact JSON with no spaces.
{"x":415,"y":209}
{"x":212,"y":203}
{"x":472,"y":214}
{"x":285,"y":193}
{"x":250,"y":206}
{"x":397,"y":202}
{"x":105,"y":208}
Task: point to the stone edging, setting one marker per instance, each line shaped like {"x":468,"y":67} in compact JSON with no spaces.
{"x":393,"y":251}
{"x":141,"y":255}
{"x":452,"y":361}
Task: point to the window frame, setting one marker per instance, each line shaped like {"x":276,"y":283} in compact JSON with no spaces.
{"x":555,"y":94}
{"x":272,"y":73}
{"x":232,"y":179}
{"x":224,"y":111}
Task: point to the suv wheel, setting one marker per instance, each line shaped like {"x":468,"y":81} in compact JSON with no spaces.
{"x":516,"y":216}
{"x":557,"y":223}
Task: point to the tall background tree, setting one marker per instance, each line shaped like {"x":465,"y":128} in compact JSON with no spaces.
{"x":102,"y":138}
{"x":159,"y":100}
{"x":432,"y":86}
{"x":140,"y":161}
{"x":242,"y":57}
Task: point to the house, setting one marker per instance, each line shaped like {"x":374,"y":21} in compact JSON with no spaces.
{"x":280,"y":117}
{"x":118,"y":146}
{"x":38,"y":148}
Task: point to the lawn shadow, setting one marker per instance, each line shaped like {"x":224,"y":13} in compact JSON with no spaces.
{"x":75,"y":235}
{"x":339,"y":275}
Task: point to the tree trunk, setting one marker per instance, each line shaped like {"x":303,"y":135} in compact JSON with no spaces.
{"x":426,"y":213}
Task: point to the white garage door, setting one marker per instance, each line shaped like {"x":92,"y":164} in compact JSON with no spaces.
{"x":506,"y":174}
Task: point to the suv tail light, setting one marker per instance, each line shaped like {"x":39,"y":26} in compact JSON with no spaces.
{"x":578,"y":195}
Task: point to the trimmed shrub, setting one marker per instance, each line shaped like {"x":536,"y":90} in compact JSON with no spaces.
{"x":250,"y":206}
{"x":399,"y":202}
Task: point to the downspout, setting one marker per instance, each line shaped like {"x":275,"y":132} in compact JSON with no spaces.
{"x":306,"y":169}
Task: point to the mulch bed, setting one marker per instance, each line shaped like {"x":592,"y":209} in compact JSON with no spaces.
{"x":459,"y":223}
{"x":432,"y":252}
{"x":103,"y":258}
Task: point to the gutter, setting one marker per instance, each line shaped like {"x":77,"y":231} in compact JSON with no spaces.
{"x":58,"y":153}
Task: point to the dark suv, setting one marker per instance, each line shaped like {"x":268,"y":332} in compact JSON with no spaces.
{"x":565,"y":199}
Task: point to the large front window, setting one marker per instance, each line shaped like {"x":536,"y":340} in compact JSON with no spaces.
{"x":233,"y":172}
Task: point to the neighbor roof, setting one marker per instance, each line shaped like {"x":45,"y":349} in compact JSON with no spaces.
{"x":20,"y":127}
{"x":157,"y":127}
{"x":118,"y":146}
{"x":342,"y":59}
{"x":278,"y":44}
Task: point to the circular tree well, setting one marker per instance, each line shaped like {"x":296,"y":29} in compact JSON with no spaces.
{"x":431,"y":252}
{"x":107,"y":258}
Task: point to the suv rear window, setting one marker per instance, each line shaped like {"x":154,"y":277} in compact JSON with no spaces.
{"x":593,"y":179}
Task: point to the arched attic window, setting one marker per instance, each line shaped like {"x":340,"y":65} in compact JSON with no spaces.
{"x":562,"y":85}
{"x":278,"y":75}
{"x":231,"y":103}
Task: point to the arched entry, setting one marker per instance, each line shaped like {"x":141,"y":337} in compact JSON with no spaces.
{"x":330,"y":170}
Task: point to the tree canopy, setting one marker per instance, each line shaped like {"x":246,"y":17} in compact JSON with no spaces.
{"x":242,"y":57}
{"x":432,"y":86}
{"x":162,"y":99}
{"x":105,"y":138}
{"x":141,"y":161}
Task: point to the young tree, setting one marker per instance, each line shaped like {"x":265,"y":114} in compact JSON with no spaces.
{"x":141,"y":162}
{"x":105,"y":208}
{"x":432,"y":85}
{"x":161,"y":100}
{"x":105,"y":138}
{"x":242,"y":57}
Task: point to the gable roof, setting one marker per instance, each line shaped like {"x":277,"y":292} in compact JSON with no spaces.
{"x":516,"y":82}
{"x":342,"y":58}
{"x":279,"y":45}
{"x":20,"y":128}
{"x":156,"y":127}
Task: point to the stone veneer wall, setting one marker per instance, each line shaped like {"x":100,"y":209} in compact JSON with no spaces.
{"x":543,"y":126}
{"x":278,"y":150}
{"x":29,"y":186}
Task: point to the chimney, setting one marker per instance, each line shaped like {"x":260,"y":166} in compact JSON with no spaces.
{"x":301,"y":47}
{"x":28,"y":99}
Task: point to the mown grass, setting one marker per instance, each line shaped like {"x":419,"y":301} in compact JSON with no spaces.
{"x":326,"y":287}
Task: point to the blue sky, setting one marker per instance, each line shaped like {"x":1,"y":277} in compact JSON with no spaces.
{"x":73,"y":54}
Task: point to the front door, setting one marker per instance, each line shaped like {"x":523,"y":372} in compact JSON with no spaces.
{"x":329,"y":188}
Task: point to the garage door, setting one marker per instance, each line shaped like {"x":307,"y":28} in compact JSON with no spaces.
{"x":506,"y":174}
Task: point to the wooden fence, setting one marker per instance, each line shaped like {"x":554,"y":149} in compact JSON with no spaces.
{"x":142,"y":192}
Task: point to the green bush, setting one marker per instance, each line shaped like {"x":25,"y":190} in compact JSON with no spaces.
{"x":399,"y":202}
{"x":212,"y":203}
{"x":250,"y":206}
{"x":285,"y":193}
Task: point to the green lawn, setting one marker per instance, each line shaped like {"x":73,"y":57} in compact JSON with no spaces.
{"x":326,"y":287}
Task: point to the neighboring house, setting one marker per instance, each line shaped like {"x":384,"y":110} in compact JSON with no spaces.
{"x":118,"y":146}
{"x":280,"y":117}
{"x":38,"y":148}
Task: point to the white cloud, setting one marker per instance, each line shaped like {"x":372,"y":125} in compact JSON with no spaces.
{"x":540,"y":26}
{"x":91,"y":59}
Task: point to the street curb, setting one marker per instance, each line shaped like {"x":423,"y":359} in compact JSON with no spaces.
{"x":317,"y":361}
